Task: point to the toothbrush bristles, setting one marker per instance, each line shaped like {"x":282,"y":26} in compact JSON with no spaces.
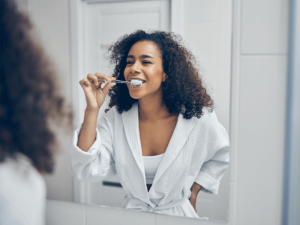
{"x":134,"y":82}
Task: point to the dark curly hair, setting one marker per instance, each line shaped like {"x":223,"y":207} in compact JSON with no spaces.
{"x":183,"y":90}
{"x":29,"y":95}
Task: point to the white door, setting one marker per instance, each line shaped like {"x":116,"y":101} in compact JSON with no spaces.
{"x":103,"y":24}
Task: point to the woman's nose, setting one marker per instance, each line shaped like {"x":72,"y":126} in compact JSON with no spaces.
{"x":135,"y":68}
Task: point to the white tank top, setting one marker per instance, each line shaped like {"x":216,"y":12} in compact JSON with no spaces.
{"x":151,"y":164}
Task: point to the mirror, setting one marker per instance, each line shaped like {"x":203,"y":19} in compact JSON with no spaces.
{"x":205,"y":27}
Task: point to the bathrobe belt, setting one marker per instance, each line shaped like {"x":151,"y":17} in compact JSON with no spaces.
{"x":137,"y":204}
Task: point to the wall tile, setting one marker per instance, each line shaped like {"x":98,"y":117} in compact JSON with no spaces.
{"x":264,"y":26}
{"x":178,"y":220}
{"x":224,"y":30}
{"x":222,"y":100}
{"x":96,"y":215}
{"x":261,"y":139}
{"x":203,"y":38}
{"x":231,"y":212}
{"x":64,"y":213}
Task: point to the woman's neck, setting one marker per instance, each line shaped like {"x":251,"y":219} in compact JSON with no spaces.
{"x":152,"y":110}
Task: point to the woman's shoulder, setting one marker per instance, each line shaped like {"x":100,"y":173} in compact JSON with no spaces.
{"x":209,"y":121}
{"x":19,"y":172}
{"x":113,"y":113}
{"x":21,"y":185}
{"x":109,"y":117}
{"x":110,"y":114}
{"x":212,"y":126}
{"x":208,"y":116}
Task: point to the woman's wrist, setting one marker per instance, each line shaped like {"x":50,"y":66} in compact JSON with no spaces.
{"x":89,"y":110}
{"x":91,"y":114}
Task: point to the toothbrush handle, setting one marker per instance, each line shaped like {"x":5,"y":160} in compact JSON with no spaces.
{"x":113,"y":81}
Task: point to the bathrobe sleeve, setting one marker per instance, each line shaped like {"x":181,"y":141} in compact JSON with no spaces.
{"x":217,"y":159}
{"x":97,"y":163}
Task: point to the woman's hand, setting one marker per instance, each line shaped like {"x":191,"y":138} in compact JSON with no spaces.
{"x":94,"y":94}
{"x":194,"y":193}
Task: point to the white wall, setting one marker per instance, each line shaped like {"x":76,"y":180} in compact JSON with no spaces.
{"x":207,"y":33}
{"x":260,"y":71}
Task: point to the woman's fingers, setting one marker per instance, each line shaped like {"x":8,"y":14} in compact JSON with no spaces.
{"x":107,"y":87}
{"x":93,"y":79}
{"x":85,"y":83}
{"x":103,"y":76}
{"x":91,"y":86}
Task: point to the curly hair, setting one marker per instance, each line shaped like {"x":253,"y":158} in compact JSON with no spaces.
{"x":28,"y":93}
{"x":183,"y":90}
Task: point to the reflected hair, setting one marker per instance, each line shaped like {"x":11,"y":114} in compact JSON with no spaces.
{"x":183,"y":90}
{"x":28,"y":92}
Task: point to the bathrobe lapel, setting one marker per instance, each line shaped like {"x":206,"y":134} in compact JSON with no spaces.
{"x":131,"y":127}
{"x":180,"y":135}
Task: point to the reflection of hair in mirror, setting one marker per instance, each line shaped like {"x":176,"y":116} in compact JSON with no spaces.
{"x":28,"y":93}
{"x":183,"y":89}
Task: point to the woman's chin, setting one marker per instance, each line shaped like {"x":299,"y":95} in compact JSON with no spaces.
{"x":135,"y":96}
{"x":135,"y":92}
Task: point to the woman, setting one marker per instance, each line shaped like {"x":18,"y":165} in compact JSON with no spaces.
{"x":163,"y":134}
{"x":28,"y":99}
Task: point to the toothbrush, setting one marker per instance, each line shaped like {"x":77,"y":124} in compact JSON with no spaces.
{"x":133,"y":82}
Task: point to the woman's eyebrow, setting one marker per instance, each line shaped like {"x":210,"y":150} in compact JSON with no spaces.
{"x":142,"y":56}
{"x":146,"y":56}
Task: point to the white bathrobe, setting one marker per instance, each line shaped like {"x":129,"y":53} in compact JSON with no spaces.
{"x":198,"y":151}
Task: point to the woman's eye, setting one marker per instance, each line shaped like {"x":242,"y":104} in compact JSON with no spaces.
{"x":128,"y":62}
{"x":146,"y":62}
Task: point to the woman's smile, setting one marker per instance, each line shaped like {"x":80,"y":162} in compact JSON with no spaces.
{"x":136,"y":86}
{"x":144,"y":63}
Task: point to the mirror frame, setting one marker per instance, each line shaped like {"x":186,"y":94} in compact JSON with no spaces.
{"x":292,"y":155}
{"x":76,"y":52}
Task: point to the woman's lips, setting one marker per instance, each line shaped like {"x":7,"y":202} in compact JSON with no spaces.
{"x":138,"y":79}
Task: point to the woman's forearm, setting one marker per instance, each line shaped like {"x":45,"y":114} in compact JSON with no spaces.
{"x":196,"y":188}
{"x":87,"y":134}
{"x":194,"y":193}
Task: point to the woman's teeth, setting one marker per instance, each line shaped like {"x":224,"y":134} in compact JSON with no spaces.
{"x":136,"y":83}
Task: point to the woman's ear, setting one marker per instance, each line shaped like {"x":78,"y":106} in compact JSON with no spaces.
{"x":165,"y":77}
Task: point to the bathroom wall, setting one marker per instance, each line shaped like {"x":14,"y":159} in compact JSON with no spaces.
{"x":207,"y":33}
{"x":259,"y":91}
